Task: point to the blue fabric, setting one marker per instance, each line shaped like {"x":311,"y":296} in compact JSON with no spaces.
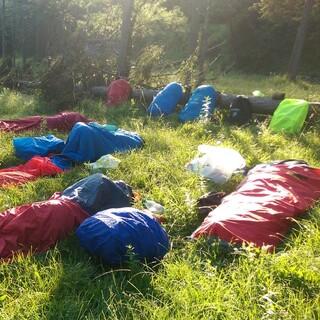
{"x":62,"y":162}
{"x":27,"y":147}
{"x":97,"y":192}
{"x":88,"y":143}
{"x":166,"y":100}
{"x":108,"y":234}
{"x":201,"y":104}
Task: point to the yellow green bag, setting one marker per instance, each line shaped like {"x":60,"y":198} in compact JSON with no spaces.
{"x":290,"y":116}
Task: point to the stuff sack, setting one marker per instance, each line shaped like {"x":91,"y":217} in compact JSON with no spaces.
{"x":38,"y":226}
{"x":118,"y":92}
{"x":240,"y":111}
{"x":216,"y":163}
{"x":265,"y":204}
{"x":28,"y":147}
{"x":89,"y":142}
{"x":97,"y":192}
{"x":110,"y":234}
{"x":290,"y":116}
{"x":200,"y":105}
{"x":165,"y":102}
{"x":31,"y":170}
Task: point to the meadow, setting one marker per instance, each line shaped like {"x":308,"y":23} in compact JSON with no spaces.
{"x":197,"y":279}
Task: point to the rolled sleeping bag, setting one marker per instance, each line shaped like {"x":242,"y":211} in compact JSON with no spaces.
{"x":201,"y":104}
{"x":111,"y":233}
{"x":165,"y":102}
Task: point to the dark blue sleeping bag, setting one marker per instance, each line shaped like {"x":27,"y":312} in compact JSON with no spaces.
{"x":89,"y":142}
{"x":166,"y":100}
{"x":201,"y":104}
{"x":97,"y":192}
{"x":110,"y":233}
{"x":27,"y":147}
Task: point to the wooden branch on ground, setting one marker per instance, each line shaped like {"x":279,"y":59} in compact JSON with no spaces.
{"x":260,"y":105}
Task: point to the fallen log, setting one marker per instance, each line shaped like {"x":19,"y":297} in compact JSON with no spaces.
{"x":260,"y":105}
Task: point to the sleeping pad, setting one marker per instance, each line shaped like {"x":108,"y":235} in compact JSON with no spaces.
{"x":39,"y":226}
{"x":63,"y":121}
{"x":265,"y":204}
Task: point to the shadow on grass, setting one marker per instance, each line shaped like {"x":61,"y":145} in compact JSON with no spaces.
{"x":87,"y":289}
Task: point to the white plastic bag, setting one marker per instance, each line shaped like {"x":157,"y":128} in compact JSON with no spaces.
{"x":216,"y":163}
{"x":154,"y":207}
{"x":105,"y":162}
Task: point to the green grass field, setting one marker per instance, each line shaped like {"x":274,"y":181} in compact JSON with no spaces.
{"x":196,"y":280}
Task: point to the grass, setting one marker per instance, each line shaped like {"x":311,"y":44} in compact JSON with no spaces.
{"x":196,"y":280}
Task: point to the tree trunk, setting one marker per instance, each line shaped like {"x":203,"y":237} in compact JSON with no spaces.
{"x":203,"y":40}
{"x":300,"y":39}
{"x":3,"y":29}
{"x":194,"y":23}
{"x":126,"y":38}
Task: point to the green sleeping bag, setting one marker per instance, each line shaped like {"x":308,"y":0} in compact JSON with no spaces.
{"x":290,"y":116}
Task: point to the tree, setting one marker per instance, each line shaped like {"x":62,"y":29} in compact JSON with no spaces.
{"x":3,"y":29}
{"x":126,"y":31}
{"x":300,"y":39}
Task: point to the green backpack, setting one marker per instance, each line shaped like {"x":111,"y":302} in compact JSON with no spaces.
{"x":289,"y":116}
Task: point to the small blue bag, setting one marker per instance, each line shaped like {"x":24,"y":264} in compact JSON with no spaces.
{"x":109,"y":234}
{"x":201,"y":104}
{"x":166,"y":100}
{"x":28,"y":147}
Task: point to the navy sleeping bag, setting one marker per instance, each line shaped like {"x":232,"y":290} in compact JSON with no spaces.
{"x":89,"y":142}
{"x":166,"y":100}
{"x":97,"y":192}
{"x":27,"y":147}
{"x":201,"y":104}
{"x":110,"y":233}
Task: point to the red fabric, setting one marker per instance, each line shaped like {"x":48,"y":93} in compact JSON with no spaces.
{"x":63,"y":121}
{"x":263,"y":207}
{"x":118,"y":92}
{"x":31,"y":170}
{"x":39,"y":226}
{"x":18,"y":125}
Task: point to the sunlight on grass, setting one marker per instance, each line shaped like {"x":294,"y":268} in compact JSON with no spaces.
{"x":197,"y":280}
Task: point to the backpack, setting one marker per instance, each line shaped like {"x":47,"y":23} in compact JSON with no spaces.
{"x":240,"y":111}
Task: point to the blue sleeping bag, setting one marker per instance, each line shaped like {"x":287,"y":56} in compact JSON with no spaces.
{"x":97,"y":192}
{"x":166,"y":100}
{"x":27,"y":147}
{"x":201,"y":104}
{"x":89,"y":142}
{"x":108,"y":234}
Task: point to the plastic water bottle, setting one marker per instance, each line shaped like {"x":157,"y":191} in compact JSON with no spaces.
{"x":154,"y":207}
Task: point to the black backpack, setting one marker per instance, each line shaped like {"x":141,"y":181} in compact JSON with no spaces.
{"x":240,"y":111}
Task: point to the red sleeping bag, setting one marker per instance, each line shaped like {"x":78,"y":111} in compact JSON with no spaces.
{"x":263,"y":207}
{"x":63,"y":121}
{"x":39,"y":226}
{"x":17,"y":125}
{"x":118,"y":92}
{"x":31,"y":170}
